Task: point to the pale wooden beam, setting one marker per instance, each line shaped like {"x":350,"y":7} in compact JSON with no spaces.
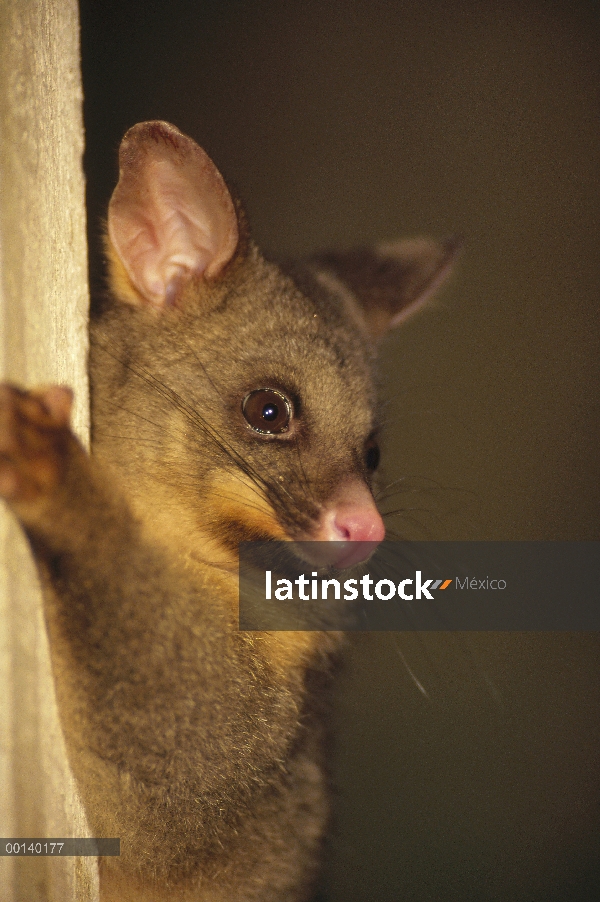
{"x":43,"y":339}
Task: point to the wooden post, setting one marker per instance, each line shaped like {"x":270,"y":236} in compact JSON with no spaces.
{"x":43,"y":339}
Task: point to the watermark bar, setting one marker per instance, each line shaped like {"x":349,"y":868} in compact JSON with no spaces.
{"x":508,"y":586}
{"x":59,"y":848}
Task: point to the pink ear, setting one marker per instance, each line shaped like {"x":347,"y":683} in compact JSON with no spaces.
{"x":171,"y":217}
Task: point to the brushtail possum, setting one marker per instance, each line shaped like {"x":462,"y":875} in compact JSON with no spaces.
{"x":232,"y":399}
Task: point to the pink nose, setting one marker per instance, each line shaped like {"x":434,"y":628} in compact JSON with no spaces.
{"x":350,"y":516}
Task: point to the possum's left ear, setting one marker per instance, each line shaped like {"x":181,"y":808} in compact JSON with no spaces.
{"x":391,"y":281}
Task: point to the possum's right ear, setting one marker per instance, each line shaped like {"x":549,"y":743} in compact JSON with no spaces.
{"x":171,"y":218}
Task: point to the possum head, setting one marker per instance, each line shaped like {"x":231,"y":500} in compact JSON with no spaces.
{"x":236,"y":399}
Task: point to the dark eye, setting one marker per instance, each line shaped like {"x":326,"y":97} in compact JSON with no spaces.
{"x":267,"y":411}
{"x":372,"y":455}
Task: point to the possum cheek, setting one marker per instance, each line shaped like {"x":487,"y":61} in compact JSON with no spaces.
{"x":350,"y":516}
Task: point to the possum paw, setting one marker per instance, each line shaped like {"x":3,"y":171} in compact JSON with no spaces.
{"x":35,"y":441}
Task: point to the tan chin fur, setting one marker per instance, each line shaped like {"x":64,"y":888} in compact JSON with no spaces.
{"x":235,"y":500}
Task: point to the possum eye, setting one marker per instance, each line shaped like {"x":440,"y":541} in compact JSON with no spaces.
{"x":372,"y":455}
{"x":267,"y":411}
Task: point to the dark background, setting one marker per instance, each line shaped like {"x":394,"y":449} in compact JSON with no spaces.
{"x":467,"y":765}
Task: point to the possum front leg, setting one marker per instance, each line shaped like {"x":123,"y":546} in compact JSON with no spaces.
{"x":183,"y":742}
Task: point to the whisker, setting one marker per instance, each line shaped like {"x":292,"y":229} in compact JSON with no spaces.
{"x":389,"y":485}
{"x":135,"y":413}
{"x":200,"y":364}
{"x":304,"y":476}
{"x":409,"y":670}
{"x":404,"y":510}
{"x":241,"y":502}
